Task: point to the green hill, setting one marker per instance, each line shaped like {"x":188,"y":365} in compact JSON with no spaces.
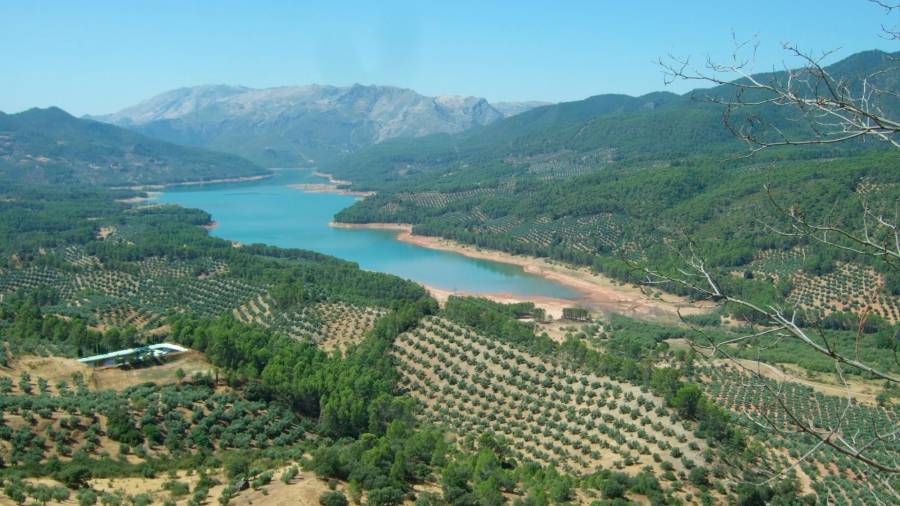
{"x":259,"y":396}
{"x":615,"y":177}
{"x":41,"y":146}
{"x":585,"y":136}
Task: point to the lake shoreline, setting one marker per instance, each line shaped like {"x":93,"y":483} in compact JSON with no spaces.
{"x":137,"y":200}
{"x":336,"y":186}
{"x":598,"y":292}
{"x":331,"y":179}
{"x":162,"y":186}
{"x":328,"y":188}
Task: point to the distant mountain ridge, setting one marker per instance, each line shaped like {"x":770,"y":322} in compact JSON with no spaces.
{"x":302,"y":125}
{"x":512,"y":108}
{"x":574,"y":138}
{"x":50,"y":146}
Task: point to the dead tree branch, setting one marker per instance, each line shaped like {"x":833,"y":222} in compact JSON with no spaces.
{"x":804,"y":105}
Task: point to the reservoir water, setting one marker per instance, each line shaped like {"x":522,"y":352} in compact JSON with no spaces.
{"x":270,"y":212}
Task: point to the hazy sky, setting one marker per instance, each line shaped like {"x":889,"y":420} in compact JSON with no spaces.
{"x":98,"y":57}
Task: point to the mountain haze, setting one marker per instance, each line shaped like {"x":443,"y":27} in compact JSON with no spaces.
{"x":302,"y":125}
{"x":513,"y":108}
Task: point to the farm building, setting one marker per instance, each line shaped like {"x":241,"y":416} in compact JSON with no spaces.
{"x":132,"y":355}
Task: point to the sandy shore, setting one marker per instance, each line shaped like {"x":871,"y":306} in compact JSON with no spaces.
{"x":328,"y":188}
{"x":211,"y":225}
{"x":331,"y":179}
{"x":242,"y":179}
{"x":597,"y":293}
{"x":554,"y":307}
{"x":338,"y":186}
{"x":138,"y":200}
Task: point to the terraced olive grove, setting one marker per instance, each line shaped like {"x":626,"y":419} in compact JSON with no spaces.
{"x":549,"y":414}
{"x":777,"y":410}
{"x":331,"y":325}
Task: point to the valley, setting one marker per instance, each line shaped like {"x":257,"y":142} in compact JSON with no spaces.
{"x":236,"y":210}
{"x":310,"y":289}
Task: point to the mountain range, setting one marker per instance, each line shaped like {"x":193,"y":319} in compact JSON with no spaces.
{"x":579,"y":137}
{"x":377,"y":136}
{"x":303,"y":125}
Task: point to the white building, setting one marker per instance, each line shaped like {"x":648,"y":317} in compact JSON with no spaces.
{"x":132,"y":355}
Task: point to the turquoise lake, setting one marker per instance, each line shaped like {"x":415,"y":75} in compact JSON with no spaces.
{"x":270,"y":212}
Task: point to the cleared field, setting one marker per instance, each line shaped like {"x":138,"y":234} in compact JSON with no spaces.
{"x":143,"y":293}
{"x":438,"y":200}
{"x":60,"y":369}
{"x":586,"y":234}
{"x":118,"y":378}
{"x":135,"y":293}
{"x":52,"y":369}
{"x":848,"y":288}
{"x":304,"y":489}
{"x":778,"y":263}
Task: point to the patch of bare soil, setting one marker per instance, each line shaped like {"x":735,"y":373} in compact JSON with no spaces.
{"x":105,"y":232}
{"x":52,"y":369}
{"x":117,"y":378}
{"x":55,"y":369}
{"x":305,"y":490}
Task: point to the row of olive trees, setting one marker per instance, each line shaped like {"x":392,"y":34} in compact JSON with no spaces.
{"x":829,"y":109}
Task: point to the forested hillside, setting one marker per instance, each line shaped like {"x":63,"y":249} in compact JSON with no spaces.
{"x":275,"y":386}
{"x":614,"y":181}
{"x":300,"y":362}
{"x":586,"y":136}
{"x":311,"y":362}
{"x":635,"y":213}
{"x":42,"y":146}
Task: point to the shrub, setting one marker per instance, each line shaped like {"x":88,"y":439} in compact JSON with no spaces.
{"x":74,"y":476}
{"x":615,"y":486}
{"x":262,"y":480}
{"x":142,"y":500}
{"x":334,"y":499}
{"x":227,"y":494}
{"x":699,"y":476}
{"x":86,"y":497}
{"x":176,"y":488}
{"x":385,"y":496}
{"x":237,"y":465}
{"x":289,"y":474}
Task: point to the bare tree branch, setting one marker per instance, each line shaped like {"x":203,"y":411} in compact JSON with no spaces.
{"x":833,"y":109}
{"x":806,"y":104}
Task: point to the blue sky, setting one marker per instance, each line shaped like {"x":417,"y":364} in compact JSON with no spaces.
{"x":98,"y":57}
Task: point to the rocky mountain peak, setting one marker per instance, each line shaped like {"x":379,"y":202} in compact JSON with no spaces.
{"x":299,"y":124}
